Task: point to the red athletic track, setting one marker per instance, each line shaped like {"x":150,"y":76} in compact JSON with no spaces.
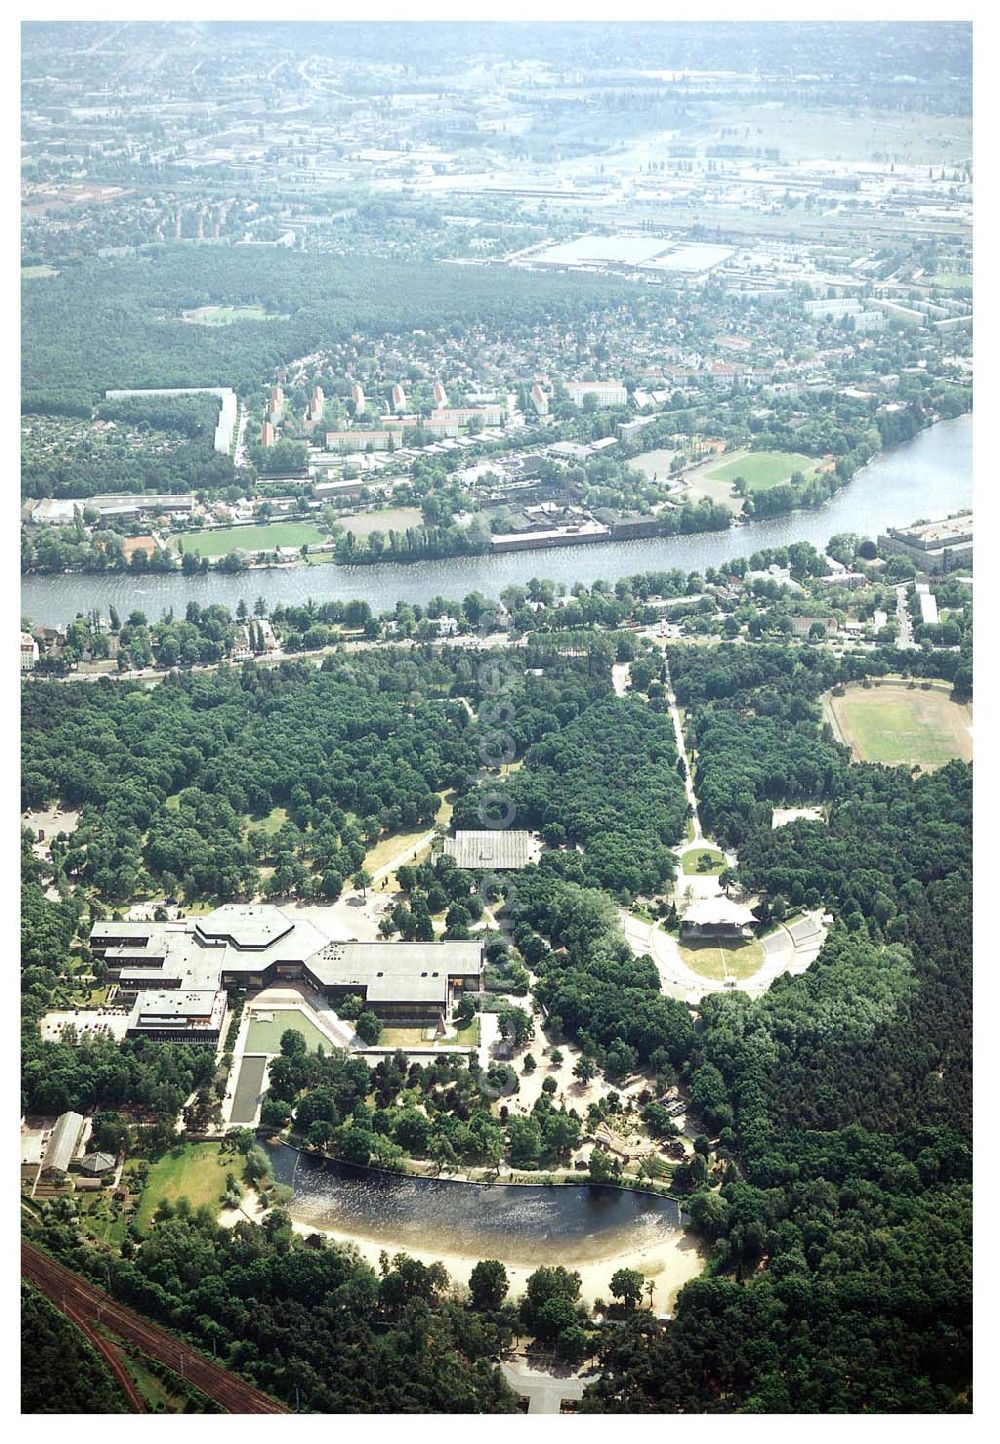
{"x":86,"y":1305}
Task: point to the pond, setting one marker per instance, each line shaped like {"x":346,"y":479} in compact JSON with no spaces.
{"x":572,"y":1224}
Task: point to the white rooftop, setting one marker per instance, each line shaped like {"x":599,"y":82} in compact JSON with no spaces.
{"x":719,"y":910}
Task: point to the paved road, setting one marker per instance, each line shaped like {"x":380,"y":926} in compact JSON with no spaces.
{"x":544,"y":1392}
{"x":85,"y":1303}
{"x":786,"y":950}
{"x":682,"y":752}
{"x":905,"y":640}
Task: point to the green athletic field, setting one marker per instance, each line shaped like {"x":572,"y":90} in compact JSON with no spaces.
{"x":266,"y":537}
{"x":763,"y":469}
{"x":896,"y":725}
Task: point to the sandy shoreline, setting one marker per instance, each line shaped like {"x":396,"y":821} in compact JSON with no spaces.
{"x":670,"y":1263}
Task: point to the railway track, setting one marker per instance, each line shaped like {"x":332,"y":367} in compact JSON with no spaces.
{"x":88,"y":1305}
{"x":114,"y":1363}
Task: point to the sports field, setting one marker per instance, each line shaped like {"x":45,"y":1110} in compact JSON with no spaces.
{"x":763,"y":469}
{"x":195,"y":1171}
{"x":264,"y":1033}
{"x":710,"y":960}
{"x":898,"y":725}
{"x":218,"y":541}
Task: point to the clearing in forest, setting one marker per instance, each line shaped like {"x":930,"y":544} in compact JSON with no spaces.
{"x":902,"y":726}
{"x":228,"y":315}
{"x":195,"y":1171}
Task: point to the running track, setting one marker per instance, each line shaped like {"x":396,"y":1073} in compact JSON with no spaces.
{"x":87,"y":1305}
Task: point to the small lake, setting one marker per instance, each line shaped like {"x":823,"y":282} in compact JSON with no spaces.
{"x":929,"y":476}
{"x":574,"y":1224}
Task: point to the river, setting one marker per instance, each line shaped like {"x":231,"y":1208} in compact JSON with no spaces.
{"x":574,"y":1224}
{"x":927,"y":477}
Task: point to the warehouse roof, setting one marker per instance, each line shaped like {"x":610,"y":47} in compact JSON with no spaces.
{"x":341,"y":964}
{"x":63,"y":1141}
{"x":719,"y":910}
{"x":501,"y":849}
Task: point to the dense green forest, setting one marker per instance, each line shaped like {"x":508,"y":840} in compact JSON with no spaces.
{"x":61,"y":1373}
{"x":117,"y":323}
{"x":362,"y":747}
{"x":307,"y":1321}
{"x":840,"y":1278}
{"x":607,"y":781}
{"x":836,"y":1203}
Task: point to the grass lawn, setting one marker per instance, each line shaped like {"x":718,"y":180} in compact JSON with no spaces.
{"x":895,"y":725}
{"x":159,"y":1398}
{"x":195,"y":1171}
{"x":763,"y":469}
{"x":89,"y":995}
{"x":264,"y":1036}
{"x":468,"y":1036}
{"x":389,"y":847}
{"x":689,"y":862}
{"x":710,"y":960}
{"x":270,"y":824}
{"x":102,"y":1219}
{"x":227,"y":315}
{"x":408,"y":1036}
{"x":802,"y":134}
{"x":947,"y":280}
{"x":263,"y":536}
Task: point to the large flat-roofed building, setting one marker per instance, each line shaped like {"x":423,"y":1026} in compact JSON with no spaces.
{"x":493,"y":850}
{"x":357,"y":439}
{"x":250,"y":947}
{"x":397,"y":980}
{"x":932,"y":546}
{"x":178,"y":1016}
{"x":606,"y":393}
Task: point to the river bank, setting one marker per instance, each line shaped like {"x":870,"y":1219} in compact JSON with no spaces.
{"x":929,"y":476}
{"x":669,"y":1262}
{"x":507,"y":1177}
